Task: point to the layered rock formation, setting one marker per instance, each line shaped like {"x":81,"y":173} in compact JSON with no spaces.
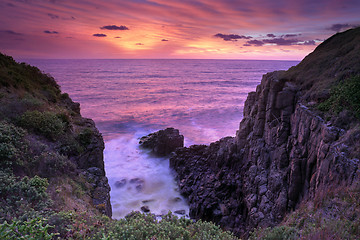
{"x":283,"y":153}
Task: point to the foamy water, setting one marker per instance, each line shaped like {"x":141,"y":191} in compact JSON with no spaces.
{"x":131,"y":98}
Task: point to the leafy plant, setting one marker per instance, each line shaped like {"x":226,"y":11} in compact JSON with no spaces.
{"x":20,"y":197}
{"x":11,"y":143}
{"x":34,"y":229}
{"x":141,"y":226}
{"x":345,"y":95}
{"x":48,"y":124}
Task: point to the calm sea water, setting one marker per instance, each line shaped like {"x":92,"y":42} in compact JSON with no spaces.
{"x":131,"y":98}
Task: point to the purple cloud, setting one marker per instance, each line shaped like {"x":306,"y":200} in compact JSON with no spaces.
{"x":99,"y":35}
{"x":339,"y":27}
{"x":53,"y":16}
{"x":139,"y":44}
{"x":291,"y":35}
{"x":310,"y":42}
{"x":257,"y":43}
{"x":114,"y":27}
{"x":281,"y":41}
{"x":164,"y":40}
{"x":51,"y":32}
{"x":10,"y":32}
{"x":231,"y":37}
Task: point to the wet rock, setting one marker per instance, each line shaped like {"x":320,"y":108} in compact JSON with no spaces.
{"x":163,"y":142}
{"x":176,"y":199}
{"x":121,"y":183}
{"x":180,"y":212}
{"x":145,"y":209}
{"x":149,"y":200}
{"x":138,"y":182}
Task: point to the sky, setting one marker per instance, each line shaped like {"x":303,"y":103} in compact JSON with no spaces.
{"x":177,"y":29}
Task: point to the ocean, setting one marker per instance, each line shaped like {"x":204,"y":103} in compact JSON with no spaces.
{"x":128,"y":99}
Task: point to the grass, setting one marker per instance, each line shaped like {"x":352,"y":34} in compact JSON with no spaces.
{"x":334,"y":60}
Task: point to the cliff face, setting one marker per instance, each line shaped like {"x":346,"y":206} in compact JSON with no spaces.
{"x":283,"y":154}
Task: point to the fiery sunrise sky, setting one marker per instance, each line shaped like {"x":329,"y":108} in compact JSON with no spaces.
{"x":206,"y":29}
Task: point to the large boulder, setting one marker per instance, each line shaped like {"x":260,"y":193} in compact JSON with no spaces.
{"x":163,"y":142}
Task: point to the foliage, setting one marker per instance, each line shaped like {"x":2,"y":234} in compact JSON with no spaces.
{"x":34,"y":229}
{"x":345,"y":95}
{"x":141,"y":226}
{"x":276,"y":233}
{"x":53,"y":164}
{"x":26,"y":77}
{"x":20,"y":197}
{"x":11,"y":143}
{"x":336,"y":59}
{"x":85,"y":136}
{"x":48,"y":124}
{"x":332,"y":214}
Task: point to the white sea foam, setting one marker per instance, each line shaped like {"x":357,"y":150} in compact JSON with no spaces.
{"x":138,"y":180}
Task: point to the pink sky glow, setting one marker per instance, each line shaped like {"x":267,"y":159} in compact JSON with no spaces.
{"x":204,"y":29}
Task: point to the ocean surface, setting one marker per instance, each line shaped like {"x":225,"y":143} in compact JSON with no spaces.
{"x":128,"y":99}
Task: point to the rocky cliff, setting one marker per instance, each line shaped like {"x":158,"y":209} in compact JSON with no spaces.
{"x":283,"y":154}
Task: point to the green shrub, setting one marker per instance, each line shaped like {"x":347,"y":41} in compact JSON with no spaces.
{"x":11,"y":143}
{"x":20,"y":197}
{"x":53,"y":164}
{"x":276,"y":233}
{"x":345,"y":95}
{"x":85,"y":136}
{"x":48,"y":124}
{"x":34,"y":229}
{"x":141,"y":226}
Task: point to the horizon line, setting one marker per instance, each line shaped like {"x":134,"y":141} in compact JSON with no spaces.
{"x":225,"y":59}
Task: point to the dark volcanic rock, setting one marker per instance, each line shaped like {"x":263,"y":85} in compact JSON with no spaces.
{"x":282,"y":154}
{"x":100,"y":192}
{"x":145,"y":209}
{"x":163,"y":142}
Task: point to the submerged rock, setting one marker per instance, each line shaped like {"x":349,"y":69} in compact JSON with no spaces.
{"x":139,"y":183}
{"x":121,"y":183}
{"x":163,"y":142}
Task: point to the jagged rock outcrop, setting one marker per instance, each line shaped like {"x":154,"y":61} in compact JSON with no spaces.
{"x":163,"y":142}
{"x":283,"y":153}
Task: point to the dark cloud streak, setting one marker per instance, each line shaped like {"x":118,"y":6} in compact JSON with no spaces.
{"x":10,"y":32}
{"x":257,"y":43}
{"x":340,"y":27}
{"x":51,"y":32}
{"x":99,"y":35}
{"x":114,"y":27}
{"x":231,"y":37}
{"x":281,"y":41}
{"x":53,"y":16}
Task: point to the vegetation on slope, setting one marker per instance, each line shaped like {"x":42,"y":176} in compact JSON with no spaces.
{"x":333,"y":214}
{"x":333,"y":61}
